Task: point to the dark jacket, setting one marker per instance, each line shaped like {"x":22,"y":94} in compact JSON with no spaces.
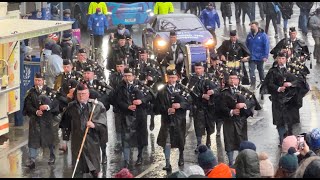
{"x":40,"y":127}
{"x":270,"y":10}
{"x":286,"y":9}
{"x":203,"y":110}
{"x":305,"y":5}
{"x":76,"y":119}
{"x":226,"y":9}
{"x":285,"y":107}
{"x":247,"y":164}
{"x":134,"y":123}
{"x":176,"y":123}
{"x":309,"y":168}
{"x":235,"y":127}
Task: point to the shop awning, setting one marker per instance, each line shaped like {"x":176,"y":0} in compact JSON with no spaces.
{"x":18,"y":29}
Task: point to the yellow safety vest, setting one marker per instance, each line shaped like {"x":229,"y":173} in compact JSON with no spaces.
{"x":94,"y":5}
{"x":163,"y":8}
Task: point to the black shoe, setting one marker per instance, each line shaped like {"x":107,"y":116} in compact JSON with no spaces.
{"x":104,"y":159}
{"x":139,"y":161}
{"x":126,"y":164}
{"x":181,"y":161}
{"x":167,"y":168}
{"x":52,"y":160}
{"x":31,"y":165}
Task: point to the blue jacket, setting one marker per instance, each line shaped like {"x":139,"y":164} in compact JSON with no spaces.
{"x":210,"y":18}
{"x":258,"y":45}
{"x":97,"y":23}
{"x":75,"y":25}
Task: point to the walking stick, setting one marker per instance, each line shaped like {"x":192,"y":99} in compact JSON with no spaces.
{"x":95,"y":102}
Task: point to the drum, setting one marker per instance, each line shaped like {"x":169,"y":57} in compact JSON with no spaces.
{"x":234,"y":65}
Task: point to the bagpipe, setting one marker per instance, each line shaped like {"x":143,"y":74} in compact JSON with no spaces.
{"x":244,"y":95}
{"x":298,"y":56}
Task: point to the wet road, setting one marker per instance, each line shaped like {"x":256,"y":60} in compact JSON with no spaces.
{"x":261,"y":131}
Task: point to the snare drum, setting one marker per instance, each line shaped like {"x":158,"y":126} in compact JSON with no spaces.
{"x":233,"y":64}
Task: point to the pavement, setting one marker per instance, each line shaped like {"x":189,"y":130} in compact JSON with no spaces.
{"x":261,"y":131}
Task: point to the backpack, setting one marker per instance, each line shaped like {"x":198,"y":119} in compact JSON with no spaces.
{"x":310,"y":15}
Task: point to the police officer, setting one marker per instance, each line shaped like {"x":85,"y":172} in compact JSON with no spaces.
{"x":297,"y":46}
{"x":132,"y":102}
{"x":205,"y":89}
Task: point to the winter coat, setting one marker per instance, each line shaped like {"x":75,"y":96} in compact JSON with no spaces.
{"x":245,"y":7}
{"x":203,"y":110}
{"x":305,"y":5}
{"x":174,"y":124}
{"x":94,"y":5}
{"x":40,"y":127}
{"x":75,"y":120}
{"x":247,"y":164}
{"x":235,"y":127}
{"x":163,"y":8}
{"x":315,"y":25}
{"x":210,"y":18}
{"x":54,"y":68}
{"x":286,"y":9}
{"x":226,"y":9}
{"x":285,"y":107}
{"x":97,"y":23}
{"x":309,"y":168}
{"x":134,"y":123}
{"x":258,"y":45}
{"x":270,"y":10}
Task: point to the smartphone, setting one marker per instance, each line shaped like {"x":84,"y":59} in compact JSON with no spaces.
{"x":300,"y":139}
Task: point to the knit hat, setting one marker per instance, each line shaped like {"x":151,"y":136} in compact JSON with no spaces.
{"x":124,"y":173}
{"x":194,"y":170}
{"x":222,"y":171}
{"x":289,"y":141}
{"x":315,"y":138}
{"x":178,"y":174}
{"x":206,"y":158}
{"x":247,"y":145}
{"x":266,"y":167}
{"x":289,"y":161}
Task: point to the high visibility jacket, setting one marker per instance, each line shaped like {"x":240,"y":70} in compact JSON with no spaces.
{"x":94,"y":5}
{"x":163,"y":8}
